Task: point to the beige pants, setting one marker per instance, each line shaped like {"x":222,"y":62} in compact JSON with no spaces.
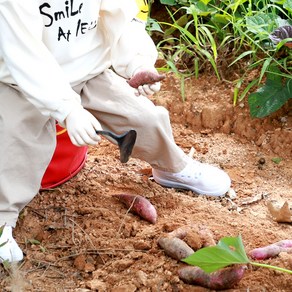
{"x":28,"y":139}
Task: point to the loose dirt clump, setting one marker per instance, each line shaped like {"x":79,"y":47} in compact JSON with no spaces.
{"x":79,"y":237}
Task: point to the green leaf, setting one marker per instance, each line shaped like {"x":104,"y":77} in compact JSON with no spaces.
{"x":221,"y":18}
{"x":1,"y":230}
{"x":153,"y":25}
{"x":247,"y":88}
{"x":277,"y":160}
{"x":265,"y":67}
{"x":270,"y":97}
{"x":261,"y":24}
{"x":3,"y":243}
{"x":288,"y":5}
{"x":168,"y":2}
{"x":200,"y":9}
{"x":205,"y":1}
{"x":228,"y":251}
{"x":244,"y":54}
{"x":235,"y":247}
{"x":33,"y":241}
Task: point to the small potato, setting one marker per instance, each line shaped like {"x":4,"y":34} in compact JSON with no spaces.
{"x":175,"y":247}
{"x":225,"y":278}
{"x":139,"y":205}
{"x":145,"y":77}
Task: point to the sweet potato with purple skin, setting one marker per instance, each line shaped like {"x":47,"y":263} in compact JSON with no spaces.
{"x":225,"y":278}
{"x":271,"y":250}
{"x":145,"y":77}
{"x":175,"y":247}
{"x":139,"y":205}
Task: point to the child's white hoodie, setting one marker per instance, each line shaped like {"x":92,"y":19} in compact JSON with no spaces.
{"x":47,"y":47}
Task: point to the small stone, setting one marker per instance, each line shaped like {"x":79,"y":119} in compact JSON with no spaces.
{"x":80,"y":262}
{"x":142,"y":245}
{"x":50,"y":258}
{"x":262,"y":161}
{"x":142,"y":278}
{"x":96,"y":285}
{"x":231,"y":194}
{"x":89,"y":267}
{"x":123,"y":264}
{"x":125,"y":288}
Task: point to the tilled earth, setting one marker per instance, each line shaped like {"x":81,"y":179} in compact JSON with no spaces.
{"x":78,"y":237}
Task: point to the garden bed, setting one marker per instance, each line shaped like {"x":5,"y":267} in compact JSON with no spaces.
{"x":78,"y":237}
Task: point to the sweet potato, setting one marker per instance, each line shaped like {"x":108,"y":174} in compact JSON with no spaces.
{"x":139,"y":205}
{"x":271,"y":250}
{"x":180,"y":232}
{"x":145,"y":77}
{"x":175,"y":247}
{"x":225,"y":278}
{"x":196,"y":236}
{"x":207,"y":236}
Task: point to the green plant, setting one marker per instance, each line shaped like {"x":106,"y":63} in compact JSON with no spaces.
{"x":228,"y":251}
{"x":276,"y":91}
{"x":277,"y":160}
{"x":5,"y":263}
{"x":274,"y":65}
{"x":36,"y":242}
{"x":187,"y":45}
{"x":212,"y":32}
{"x":1,"y":232}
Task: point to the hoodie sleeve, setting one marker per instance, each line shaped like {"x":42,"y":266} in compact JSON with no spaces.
{"x":131,"y":46}
{"x":30,"y":63}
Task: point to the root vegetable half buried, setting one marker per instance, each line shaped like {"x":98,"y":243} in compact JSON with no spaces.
{"x":178,"y":249}
{"x":139,"y":205}
{"x":145,"y":77}
{"x":226,"y":278}
{"x":175,"y":247}
{"x":209,"y":265}
{"x":271,"y":250}
{"x":228,"y":251}
{"x":195,"y":235}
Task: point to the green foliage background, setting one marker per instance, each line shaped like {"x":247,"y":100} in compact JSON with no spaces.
{"x":199,"y":34}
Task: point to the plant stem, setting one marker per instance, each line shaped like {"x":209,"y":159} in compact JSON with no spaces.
{"x":271,"y":267}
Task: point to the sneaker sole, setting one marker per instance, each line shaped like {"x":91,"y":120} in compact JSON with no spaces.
{"x":169,"y":184}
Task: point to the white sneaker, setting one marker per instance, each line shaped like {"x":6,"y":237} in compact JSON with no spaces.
{"x":201,"y":178}
{"x":10,"y":251}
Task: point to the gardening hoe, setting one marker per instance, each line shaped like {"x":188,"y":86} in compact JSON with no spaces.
{"x":125,"y":142}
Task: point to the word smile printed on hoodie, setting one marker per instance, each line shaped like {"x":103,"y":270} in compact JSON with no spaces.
{"x":71,"y":10}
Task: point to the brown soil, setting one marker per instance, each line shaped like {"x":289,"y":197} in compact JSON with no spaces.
{"x":88,"y":240}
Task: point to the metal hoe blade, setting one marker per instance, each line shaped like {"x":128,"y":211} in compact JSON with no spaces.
{"x":126,"y":142}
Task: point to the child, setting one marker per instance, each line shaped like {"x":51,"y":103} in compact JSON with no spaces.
{"x":69,"y":61}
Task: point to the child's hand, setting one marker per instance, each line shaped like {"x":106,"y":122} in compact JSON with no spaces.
{"x":146,"y":81}
{"x":81,"y":126}
{"x":148,"y":89}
